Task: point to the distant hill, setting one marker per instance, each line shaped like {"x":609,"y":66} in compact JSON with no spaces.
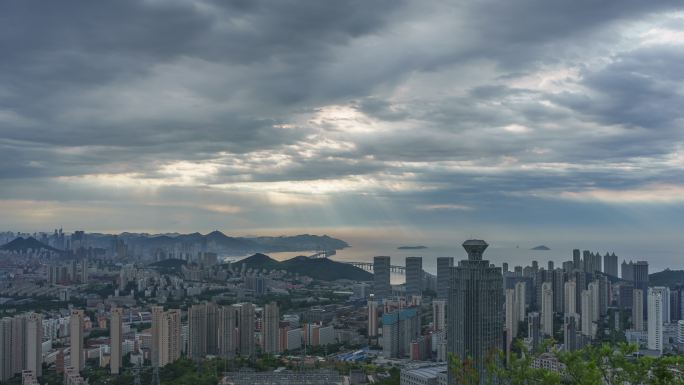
{"x":219,"y":242}
{"x":30,"y":243}
{"x":411,"y":247}
{"x":260,"y":261}
{"x":323,"y":269}
{"x":666,"y":277}
{"x":541,"y":247}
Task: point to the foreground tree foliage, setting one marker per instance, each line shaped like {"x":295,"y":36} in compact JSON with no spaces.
{"x":594,"y":365}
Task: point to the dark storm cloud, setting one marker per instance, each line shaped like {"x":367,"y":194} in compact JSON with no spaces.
{"x":390,"y":105}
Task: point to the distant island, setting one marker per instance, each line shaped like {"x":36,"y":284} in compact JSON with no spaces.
{"x":540,"y":247}
{"x":411,"y":247}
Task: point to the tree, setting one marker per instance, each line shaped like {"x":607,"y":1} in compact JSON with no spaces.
{"x":464,"y":371}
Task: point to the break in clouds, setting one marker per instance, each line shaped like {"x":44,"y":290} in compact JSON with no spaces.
{"x":488,"y":116}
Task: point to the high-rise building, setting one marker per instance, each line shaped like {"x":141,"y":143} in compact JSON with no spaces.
{"x":587,"y":314}
{"x":594,"y":288}
{"x":372,"y":317}
{"x":570,"y":331}
{"x":638,"y":310}
{"x":570,"y":292}
{"x":245,"y":317}
{"x":227,"y":344}
{"x":655,"y":318}
{"x":511,"y":318}
{"x":76,"y":339}
{"x":438,"y":314}
{"x":547,"y":309}
{"x":627,"y":271}
{"x":540,"y":277}
{"x":170,"y":339}
{"x":592,"y":262}
{"x":476,"y":319}
{"x":166,"y":336}
{"x":604,"y":300}
{"x":444,"y":265}
{"x":577,"y":259}
{"x":6,"y":353}
{"x":212,"y":328}
{"x":534,"y":329}
{"x":116,"y":340}
{"x":665,"y":294}
{"x":568,"y":267}
{"x":518,"y":271}
{"x":84,"y":271}
{"x":157,"y":318}
{"x":34,"y":344}
{"x":381,"y":277}
{"x":521,"y":300}
{"x":581,"y":280}
{"x":610,"y":264}
{"x":197,"y":331}
{"x":21,"y":345}
{"x":271,"y":328}
{"x":640,"y":269}
{"x":202,"y":330}
{"x":399,"y":329}
{"x":414,"y":275}
{"x":626,"y":295}
{"x":558,"y":295}
{"x":675,"y":304}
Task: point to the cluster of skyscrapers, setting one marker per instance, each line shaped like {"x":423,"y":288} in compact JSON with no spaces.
{"x":21,"y":339}
{"x":486,"y":305}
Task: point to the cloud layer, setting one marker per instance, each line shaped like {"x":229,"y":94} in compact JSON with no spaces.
{"x":249,"y":115}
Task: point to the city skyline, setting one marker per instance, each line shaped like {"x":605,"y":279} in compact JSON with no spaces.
{"x":401,"y":119}
{"x":295,"y":192}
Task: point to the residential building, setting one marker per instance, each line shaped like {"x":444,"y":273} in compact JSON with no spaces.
{"x":444,"y":265}
{"x":656,"y":302}
{"x":271,"y":328}
{"x":547,"y":309}
{"x":116,"y":340}
{"x":381,"y":277}
{"x":438,"y":314}
{"x":77,"y":360}
{"x":414,"y":276}
{"x":399,"y":328}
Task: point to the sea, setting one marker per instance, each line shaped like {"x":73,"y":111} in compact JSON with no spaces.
{"x":364,"y":249}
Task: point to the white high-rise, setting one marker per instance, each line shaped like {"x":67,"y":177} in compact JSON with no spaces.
{"x":34,"y":343}
{"x":656,"y":297}
{"x":569,"y":291}
{"x":511,"y":318}
{"x":521,"y":301}
{"x":76,"y":339}
{"x":547,"y":308}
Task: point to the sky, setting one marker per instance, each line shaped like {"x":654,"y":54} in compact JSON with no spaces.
{"x":521,"y":122}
